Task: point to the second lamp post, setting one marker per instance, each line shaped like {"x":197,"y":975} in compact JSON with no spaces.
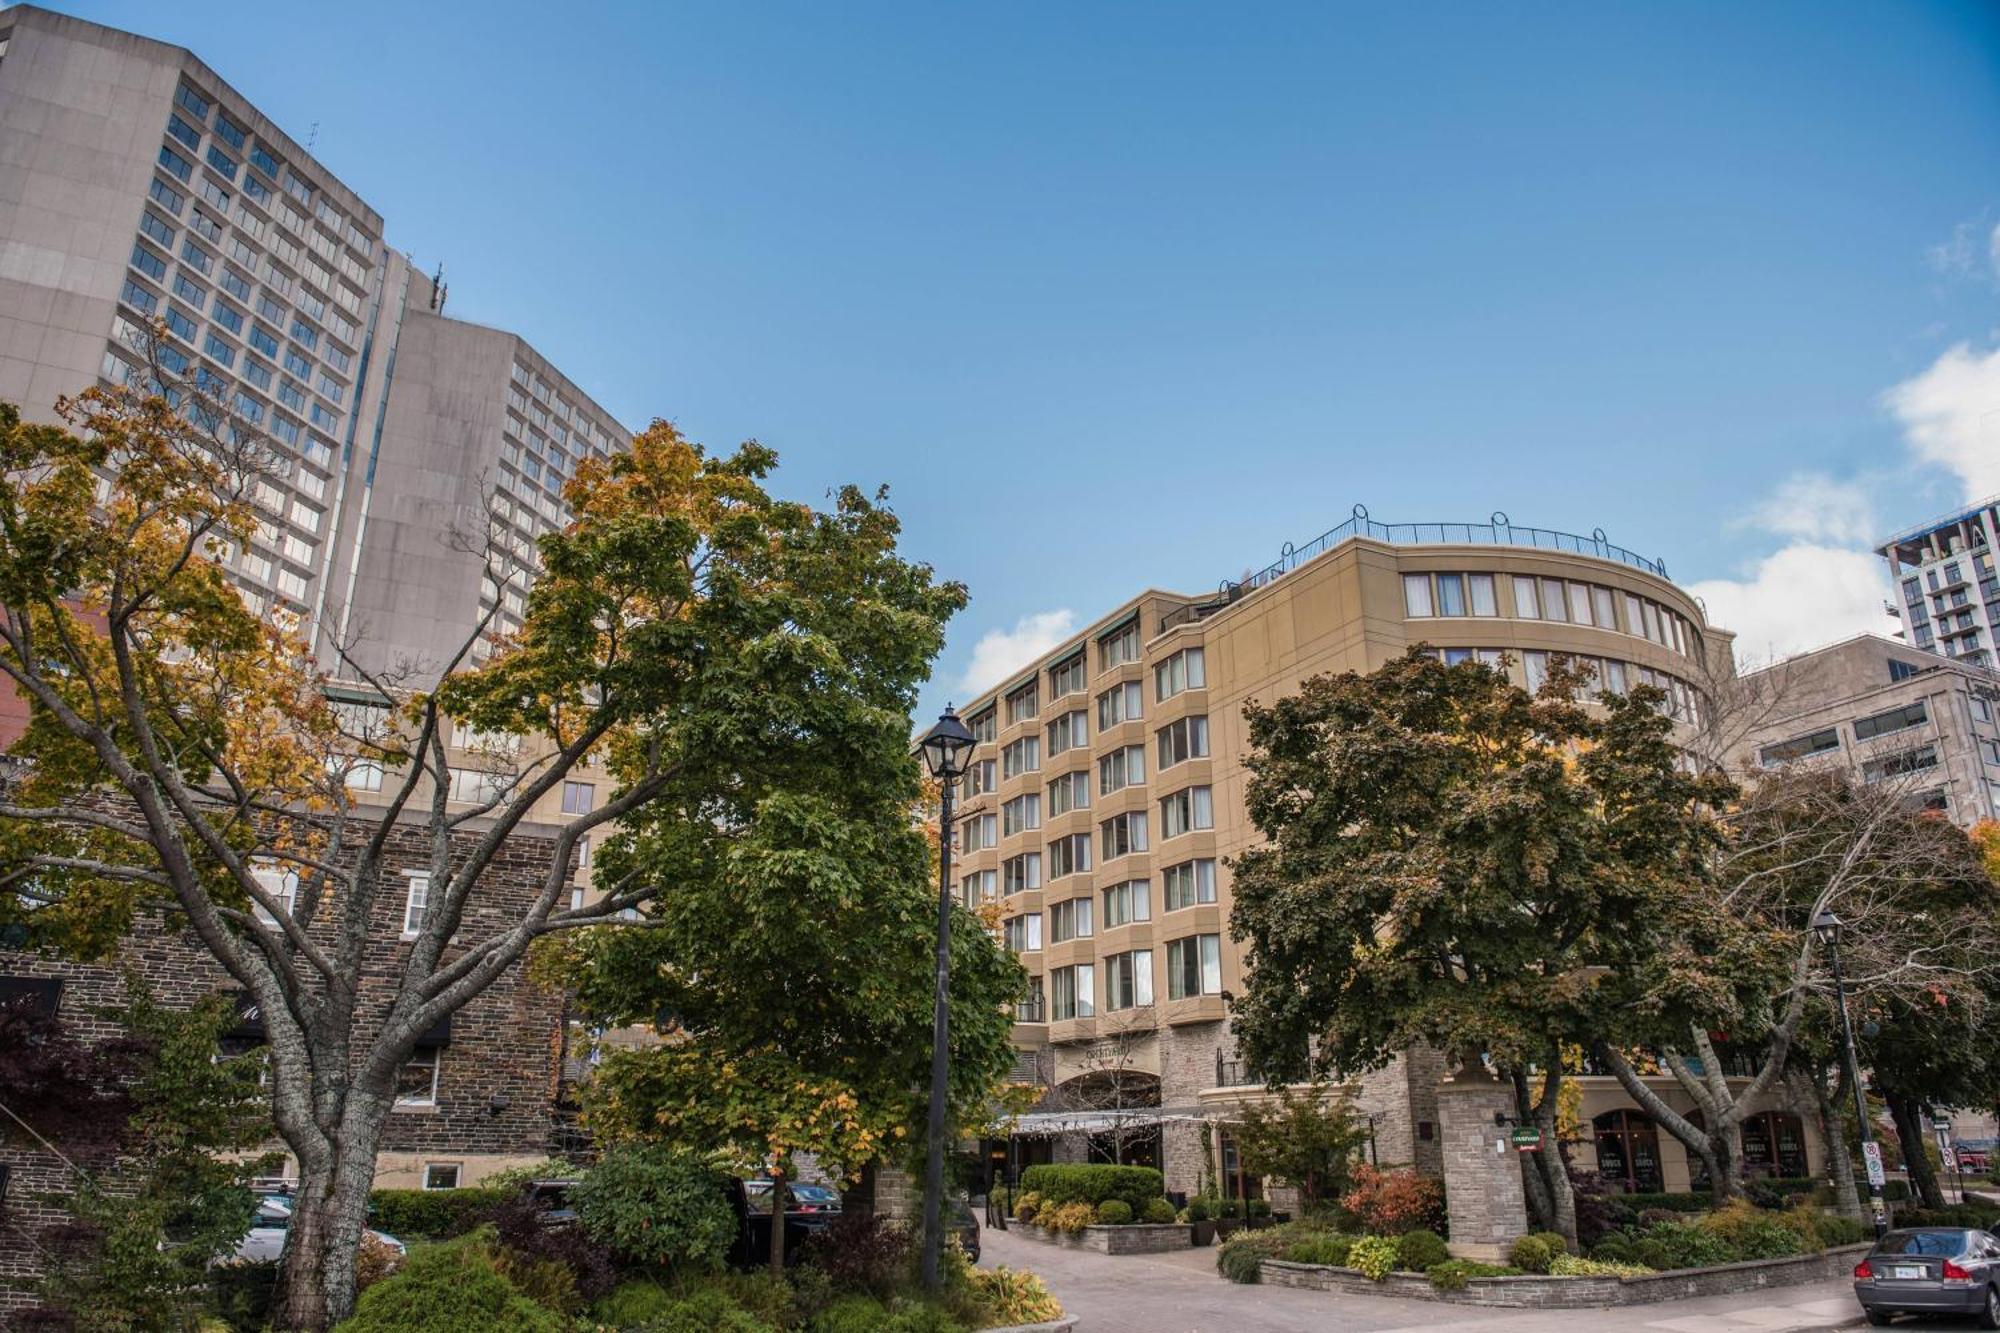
{"x":944,"y":749}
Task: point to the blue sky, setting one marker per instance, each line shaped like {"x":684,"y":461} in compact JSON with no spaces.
{"x":1126,"y":295}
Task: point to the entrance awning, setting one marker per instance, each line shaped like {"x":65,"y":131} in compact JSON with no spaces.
{"x":1047,"y":1124}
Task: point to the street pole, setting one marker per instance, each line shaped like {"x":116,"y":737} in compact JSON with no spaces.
{"x":1869,"y":1160}
{"x":940,"y":1057}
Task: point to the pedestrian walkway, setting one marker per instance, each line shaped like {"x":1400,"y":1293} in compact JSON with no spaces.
{"x":1181,"y":1293}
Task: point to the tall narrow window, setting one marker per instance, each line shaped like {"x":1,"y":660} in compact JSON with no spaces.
{"x":1417,"y":595}
{"x":1526,"y":604}
{"x":1451,"y":594}
{"x":416,"y":901}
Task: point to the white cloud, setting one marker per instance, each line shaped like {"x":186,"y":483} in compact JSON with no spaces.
{"x":1972,"y":252}
{"x":1813,"y":507}
{"x":1951,"y":416}
{"x":1803,"y":596}
{"x":1001,"y":652}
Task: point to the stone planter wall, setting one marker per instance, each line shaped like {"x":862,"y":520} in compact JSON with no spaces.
{"x":1133,"y":1238}
{"x":1064,"y":1325}
{"x":1575,"y":1293}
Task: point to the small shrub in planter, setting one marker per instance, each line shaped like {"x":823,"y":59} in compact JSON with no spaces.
{"x":1568,"y":1265}
{"x":1029,"y":1200}
{"x":1837,"y":1230}
{"x":1615,"y":1248}
{"x":454,"y":1285}
{"x":861,"y":1252}
{"x":1068,"y":1218}
{"x":1012,"y":1297}
{"x":1751,"y":1232}
{"x":1237,"y":1260}
{"x":429,"y":1214}
{"x":1417,"y":1250}
{"x":1197,"y":1210}
{"x":1114,"y":1213}
{"x":1671,"y":1245}
{"x":1388,"y":1203}
{"x":1158,"y":1211}
{"x":1257,"y":1208}
{"x":1453,"y":1274}
{"x":1374,"y":1257}
{"x":1094,"y":1183}
{"x":1530,"y":1254}
{"x":1331,"y":1250}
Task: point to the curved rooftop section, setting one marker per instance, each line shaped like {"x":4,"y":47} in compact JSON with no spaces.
{"x":1496,"y":531}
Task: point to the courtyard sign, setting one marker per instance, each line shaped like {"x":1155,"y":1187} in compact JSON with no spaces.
{"x":1527,"y":1138}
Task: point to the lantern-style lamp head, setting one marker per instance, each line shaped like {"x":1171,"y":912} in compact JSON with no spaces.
{"x":1827,"y":926}
{"x":946,"y":746}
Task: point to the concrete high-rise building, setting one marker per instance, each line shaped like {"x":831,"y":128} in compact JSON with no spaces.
{"x":1106,"y":799}
{"x":136,"y":185}
{"x":1948,"y":590}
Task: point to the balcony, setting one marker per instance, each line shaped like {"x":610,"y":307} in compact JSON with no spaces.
{"x":1034,"y":1009}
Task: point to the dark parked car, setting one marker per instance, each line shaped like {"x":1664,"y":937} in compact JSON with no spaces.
{"x":551,"y":1199}
{"x":1931,"y":1270}
{"x":959,"y":1221}
{"x":752,"y":1201}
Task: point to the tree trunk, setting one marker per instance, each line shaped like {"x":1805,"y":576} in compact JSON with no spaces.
{"x":329,"y":1215}
{"x":1833,"y":1145}
{"x":1696,"y":1141}
{"x":777,"y":1222}
{"x":1910,"y":1131}
{"x":1725,"y":1181}
{"x":1541,"y":1209}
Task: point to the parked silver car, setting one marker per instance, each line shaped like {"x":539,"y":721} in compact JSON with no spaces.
{"x":1931,"y":1270}
{"x":266,"y":1239}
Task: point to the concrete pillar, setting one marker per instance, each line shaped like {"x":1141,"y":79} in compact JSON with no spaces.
{"x":1482,"y":1176}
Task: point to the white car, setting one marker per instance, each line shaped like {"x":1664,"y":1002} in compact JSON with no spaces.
{"x":266,"y":1240}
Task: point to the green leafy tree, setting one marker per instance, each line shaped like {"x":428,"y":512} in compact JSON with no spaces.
{"x":1449,"y":860}
{"x":1307,"y":1138}
{"x":709,"y":641}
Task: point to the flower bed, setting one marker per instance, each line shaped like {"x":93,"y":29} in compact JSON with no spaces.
{"x":1533,"y":1291}
{"x":1131,"y":1238}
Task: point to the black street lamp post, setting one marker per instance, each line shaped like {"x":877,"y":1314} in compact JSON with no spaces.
{"x":1827,"y":927}
{"x":944,"y":749}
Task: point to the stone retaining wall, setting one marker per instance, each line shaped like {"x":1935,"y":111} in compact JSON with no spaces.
{"x":1133,"y":1238}
{"x":1574,"y":1293}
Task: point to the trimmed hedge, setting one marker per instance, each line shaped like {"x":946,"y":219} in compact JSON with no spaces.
{"x":430,"y":1214}
{"x":1094,"y":1184}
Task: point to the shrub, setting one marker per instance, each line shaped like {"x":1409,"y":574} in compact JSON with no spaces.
{"x":1531,"y":1254}
{"x":707,"y":1309}
{"x":429,"y":1214}
{"x":1568,"y":1265}
{"x":1979,"y":1217}
{"x":1388,"y":1203}
{"x":446,"y":1287}
{"x":862,"y":1253}
{"x":241,"y":1291}
{"x":1239,"y":1256}
{"x":1029,"y":1200}
{"x":1093,"y":1184}
{"x":522,"y":1231}
{"x":374,"y":1260}
{"x":1197,"y":1209}
{"x":851,"y":1314}
{"x":656,"y":1204}
{"x":1752,"y":1233}
{"x":1158,"y":1211}
{"x":812,"y":1289}
{"x":1453,"y":1274}
{"x":1114,"y":1213}
{"x":1671,"y":1245}
{"x":632,"y":1304}
{"x":1010,"y":1296}
{"x":1373,"y":1256}
{"x":1650,"y":1216}
{"x":1679,"y":1202}
{"x":1256,"y":1207}
{"x":1331,"y":1250}
{"x":1598,"y":1212}
{"x":1068,"y":1218}
{"x":1614,"y":1248}
{"x":544,"y":1281}
{"x":1837,"y":1230}
{"x":1416,"y":1251}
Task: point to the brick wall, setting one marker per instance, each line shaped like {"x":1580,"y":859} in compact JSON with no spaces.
{"x":497,"y":1077}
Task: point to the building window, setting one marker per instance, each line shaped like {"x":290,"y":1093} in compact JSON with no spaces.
{"x":1073,"y":991}
{"x":1526,"y":604}
{"x":1124,"y":834}
{"x":1120,"y":769}
{"x":149,"y":263}
{"x":1127,"y":902}
{"x":1194,"y":967}
{"x":579,"y":798}
{"x":1183,"y":740}
{"x":417,"y":1080}
{"x":1417,"y":595}
{"x":1069,"y":920}
{"x":1022,"y":934}
{"x":1185,"y":670}
{"x":416,"y":902}
{"x":1900,"y":670}
{"x":1069,"y":792}
{"x":1186,"y":811}
{"x":1020,"y":814}
{"x":982,"y":776}
{"x":1128,"y":980}
{"x":1604,"y":611}
{"x":279,"y":883}
{"x":365,"y":774}
{"x":1068,"y":731}
{"x":1021,"y":873}
{"x":978,"y":833}
{"x":441,"y":1175}
{"x":1188,"y":883}
{"x":477,"y":786}
{"x":1069,"y":856}
{"x":1021,"y":756}
{"x":981,"y":886}
{"x":1118,"y":647}
{"x":1118,"y":704}
{"x":1895,"y":719}
{"x":1900,"y":764}
{"x":1023,"y":703}
{"x":1068,"y":677}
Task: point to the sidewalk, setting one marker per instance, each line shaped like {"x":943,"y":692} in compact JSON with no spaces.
{"x":1181,"y":1293}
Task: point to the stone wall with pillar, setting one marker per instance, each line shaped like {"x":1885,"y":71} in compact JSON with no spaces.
{"x":1482,"y":1175}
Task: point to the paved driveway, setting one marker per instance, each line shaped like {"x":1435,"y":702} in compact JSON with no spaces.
{"x":1181,"y":1293}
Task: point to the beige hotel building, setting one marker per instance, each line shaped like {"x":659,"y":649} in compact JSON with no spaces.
{"x":1106,"y":800}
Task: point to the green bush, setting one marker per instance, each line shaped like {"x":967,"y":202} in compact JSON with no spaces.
{"x":1753,"y":1233}
{"x":1093,"y":1184}
{"x":1614,"y":1248}
{"x":1974,"y":1216}
{"x":1197,"y":1209}
{"x":1453,"y":1274}
{"x":1568,"y":1265}
{"x":1025,"y":1204}
{"x":241,"y":1292}
{"x":656,"y":1204}
{"x":1417,"y":1250}
{"x":632,"y":1304}
{"x":1530,"y":1254}
{"x":1671,"y":1245}
{"x":446,"y":1287}
{"x":1374,"y":1257}
{"x":1158,"y":1211}
{"x":1114,"y":1213}
{"x":430,"y":1214}
{"x":1837,"y":1230}
{"x":1256,"y":1207}
{"x":851,"y":1314}
{"x":1067,"y":1218}
{"x":1679,"y":1203}
{"x":1331,"y":1249}
{"x":1239,"y":1256}
{"x":707,"y":1309}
